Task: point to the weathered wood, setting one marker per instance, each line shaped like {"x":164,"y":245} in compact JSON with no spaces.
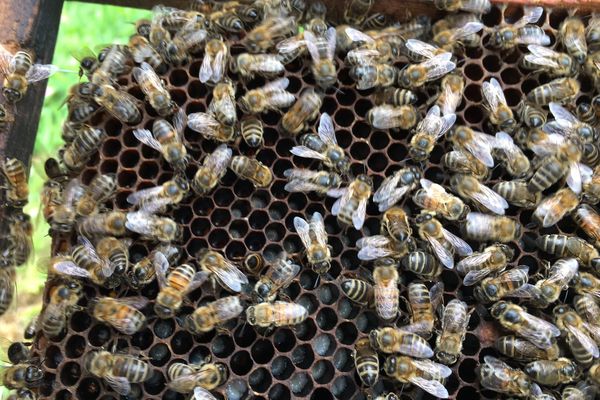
{"x":31,"y":25}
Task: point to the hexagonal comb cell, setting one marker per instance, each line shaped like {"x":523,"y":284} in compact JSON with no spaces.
{"x":314,"y":359}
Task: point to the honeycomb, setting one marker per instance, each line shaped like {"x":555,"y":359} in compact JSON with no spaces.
{"x":314,"y":359}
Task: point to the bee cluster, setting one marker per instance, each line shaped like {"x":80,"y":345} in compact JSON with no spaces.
{"x":254,"y":203}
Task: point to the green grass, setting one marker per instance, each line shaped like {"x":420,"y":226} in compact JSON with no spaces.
{"x":82,"y":25}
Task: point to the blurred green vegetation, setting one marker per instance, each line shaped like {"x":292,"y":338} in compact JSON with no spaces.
{"x":82,"y":25}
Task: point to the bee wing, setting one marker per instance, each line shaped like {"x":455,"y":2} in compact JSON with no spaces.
{"x":139,"y":222}
{"x":68,"y":267}
{"x":218,"y":65}
{"x":561,"y":114}
{"x":467,"y":29}
{"x":6,"y":58}
{"x":364,"y":55}
{"x":298,"y":185}
{"x":284,"y":274}
{"x":593,"y":330}
{"x":527,"y":291}
{"x":317,"y":226}
{"x":137,"y":302}
{"x":493,"y":94}
{"x":358,"y":218}
{"x":219,"y":159}
{"x":460,"y":245}
{"x":305,"y":152}
{"x":202,"y":394}
{"x":185,"y":381}
{"x":120,"y":384}
{"x":432,"y":368}
{"x":430,"y":386}
{"x":161,"y":266}
{"x":330,"y":38}
{"x":538,"y":331}
{"x":39,"y":72}
{"x":299,"y":174}
{"x":481,"y":148}
{"x":144,"y":194}
{"x":357,"y":36}
{"x":284,"y":311}
{"x":326,"y":130}
{"x":562,"y":276}
{"x":439,"y":66}
{"x":231,"y":276}
{"x":542,"y":56}
{"x":432,"y":187}
{"x":531,"y":16}
{"x":549,"y":211}
{"x":589,"y":345}
{"x":490,"y":199}
{"x":372,"y":247}
{"x":345,"y":196}
{"x":392,"y":198}
{"x":445,"y":124}
{"x":452,"y":100}
{"x":424,"y":49}
{"x":473,"y":260}
{"x":476,"y":6}
{"x":206,"y":71}
{"x":229,"y":309}
{"x":574,"y":41}
{"x":574,"y":177}
{"x":387,"y":187}
{"x":303,"y":230}
{"x":107,"y":268}
{"x":203,"y":123}
{"x":506,"y":143}
{"x":179,"y":121}
{"x":145,"y":136}
{"x":472,"y":277}
{"x":499,"y":367}
{"x":289,"y":45}
{"x":278,"y":84}
{"x":311,"y":45}
{"x":441,"y":252}
{"x":535,"y":35}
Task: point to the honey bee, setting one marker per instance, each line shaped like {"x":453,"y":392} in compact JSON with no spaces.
{"x":449,"y":342}
{"x":463,"y":162}
{"x":123,"y":313}
{"x":380,"y":246}
{"x":582,"y":391}
{"x":250,"y":65}
{"x":558,"y":278}
{"x":395,"y":224}
{"x":587,"y":218}
{"x":323,"y":147}
{"x":425,"y":374}
{"x":18,"y":244}
{"x":498,"y":376}
{"x":205,"y":376}
{"x":428,"y":131}
{"x":101,"y":188}
{"x":102,"y":224}
{"x":422,"y":264}
{"x":480,"y":195}
{"x":302,"y":113}
{"x":143,"y":51}
{"x":478,"y":144}
{"x":451,"y":91}
{"x":423,"y":303}
{"x":572,"y":35}
{"x":501,"y":115}
{"x":22,"y":375}
{"x":77,"y":153}
{"x":16,"y":192}
{"x":314,"y":238}
{"x":491,"y":228}
{"x":7,"y":288}
{"x":552,"y":62}
{"x":225,"y":21}
{"x":479,"y":265}
{"x":278,"y":276}
{"x":113,"y":61}
{"x":442,"y":242}
{"x":566,"y":124}
{"x":189,"y":38}
{"x":174,"y":286}
{"x":322,"y":51}
{"x":252,"y":132}
{"x":523,"y":350}
{"x":514,"y":318}
{"x":119,"y":104}
{"x":214,"y":166}
{"x":214,"y":63}
{"x":560,"y":90}
{"x":157,"y":94}
{"x":585,"y":112}
{"x":516,"y":193}
{"x":115,"y":252}
{"x":118,"y":370}
{"x":81,"y":110}
{"x":472,"y":6}
{"x":514,"y":160}
{"x":389,"y":193}
{"x":100,"y":269}
{"x":592,"y":33}
{"x":552,"y":372}
{"x":563,"y":161}
{"x":359,"y":291}
{"x":394,"y":96}
{"x":19,"y":71}
{"x":387,"y":117}
{"x":392,"y":340}
{"x":591,"y":186}
{"x":386,"y":292}
{"x":581,"y":343}
{"x":511,"y":283}
{"x":447,"y":40}
{"x":210,"y":128}
{"x":594,"y":373}
{"x":416,"y":75}
{"x":270,"y":31}
{"x":271,"y":96}
{"x":304,"y":180}
{"x":368,"y":76}
{"x":158,"y":198}
{"x":153,"y":227}
{"x":530,"y":114}
{"x":375,"y":48}
{"x":351,"y":204}
{"x":167,"y":139}
{"x":357,"y":10}
{"x":366,"y":362}
{"x":586,"y":283}
{"x":553,"y":208}
{"x":213,"y":314}
{"x":252,"y":169}
{"x":521,"y":32}
{"x":227,"y":274}
{"x":587,"y":307}
{"x":144,"y":271}
{"x":276,"y":314}
{"x":62,"y":302}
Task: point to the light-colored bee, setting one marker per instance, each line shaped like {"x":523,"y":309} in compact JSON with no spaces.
{"x":463,"y":162}
{"x":442,"y":242}
{"x":212,"y":315}
{"x":423,"y":303}
{"x":278,"y":276}
{"x":416,"y":75}
{"x":213,"y":168}
{"x":380,"y":247}
{"x":272,"y":96}
{"x":252,"y":170}
{"x":451,"y":93}
{"x":276,"y":314}
{"x":391,"y":340}
{"x":433,"y":197}
{"x":480,"y":195}
{"x":552,"y":62}
{"x":272,"y":30}
{"x":366,"y":362}
{"x":16,"y":191}
{"x":143,"y":51}
{"x":62,"y":302}
{"x":174,"y":285}
{"x":479,"y":265}
{"x":569,"y":246}
{"x":251,"y":129}
{"x":516,"y":193}
{"x":305,"y":180}
{"x":514,"y":318}
{"x":572,"y":35}
{"x":322,"y":51}
{"x":251,"y":65}
{"x":227,"y":274}
{"x":368,"y":76}
{"x":123,"y":313}
{"x":428,"y":131}
{"x":222,"y":105}
{"x":491,"y":228}
{"x":558,"y":278}
{"x":588,"y":220}
{"x":386,"y":291}
{"x":552,"y":372}
{"x":425,"y":374}
{"x":521,"y":32}
{"x":167,"y":139}
{"x":298,"y":118}
{"x":560,"y":90}
{"x":351,"y":204}
{"x":121,"y":105}
{"x":359,"y":291}
{"x":314,"y":238}
{"x":389,"y":193}
{"x":77,"y":153}
{"x":514,"y":160}
{"x":580,"y":335}
{"x":118,"y":370}
{"x":387,"y":116}
{"x":323,"y":147}
{"x":553,"y":208}
{"x":153,"y":227}
{"x":214,"y":63}
{"x":158,"y":198}
{"x":498,"y":376}
{"x":523,"y":350}
{"x":500,"y":113}
{"x":479,"y":144}
{"x":566,"y":124}
{"x":184,"y":378}
{"x":422,"y":264}
{"x":19,"y":71}
{"x":455,"y":319}
{"x":157,"y":94}
{"x":511,"y":283}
